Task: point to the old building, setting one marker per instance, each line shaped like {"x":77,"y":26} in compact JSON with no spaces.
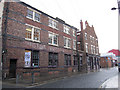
{"x":34,"y":41}
{"x":88,"y":43}
{"x":106,"y":61}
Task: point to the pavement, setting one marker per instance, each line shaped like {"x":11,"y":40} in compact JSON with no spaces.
{"x":111,"y":83}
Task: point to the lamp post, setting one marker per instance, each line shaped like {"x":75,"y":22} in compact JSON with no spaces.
{"x":114,"y":8}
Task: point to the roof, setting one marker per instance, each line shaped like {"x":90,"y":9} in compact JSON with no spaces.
{"x":115,"y":51}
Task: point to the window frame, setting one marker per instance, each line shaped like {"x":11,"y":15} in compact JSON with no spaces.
{"x":65,"y":27}
{"x":74,"y":46}
{"x":67,"y":42}
{"x":32,"y":35}
{"x":53,"y":34}
{"x":53,"y":59}
{"x":33,"y":18}
{"x":53,"y":23}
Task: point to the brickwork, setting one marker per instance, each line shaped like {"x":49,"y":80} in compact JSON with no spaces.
{"x":16,"y":44}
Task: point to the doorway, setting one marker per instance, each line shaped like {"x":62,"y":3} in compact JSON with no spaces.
{"x":12,"y":69}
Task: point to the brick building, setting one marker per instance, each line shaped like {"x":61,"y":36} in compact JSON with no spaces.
{"x":34,"y":41}
{"x":88,"y":43}
{"x":106,"y":62}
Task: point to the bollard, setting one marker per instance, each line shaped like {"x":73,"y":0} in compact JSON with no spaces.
{"x":32,"y":77}
{"x":17,"y":78}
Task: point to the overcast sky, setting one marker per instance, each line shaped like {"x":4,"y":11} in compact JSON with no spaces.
{"x":97,"y":12}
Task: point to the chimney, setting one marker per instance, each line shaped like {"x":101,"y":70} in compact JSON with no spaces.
{"x":81,"y":25}
{"x":86,"y":23}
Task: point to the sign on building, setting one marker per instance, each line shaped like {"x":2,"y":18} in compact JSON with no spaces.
{"x":27,"y":58}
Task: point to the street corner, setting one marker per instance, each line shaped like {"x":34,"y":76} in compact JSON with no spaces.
{"x":111,"y":83}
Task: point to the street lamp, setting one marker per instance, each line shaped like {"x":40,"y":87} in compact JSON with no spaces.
{"x":115,"y":8}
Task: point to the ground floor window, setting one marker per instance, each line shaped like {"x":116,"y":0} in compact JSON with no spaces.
{"x":75,"y":60}
{"x":31,"y":58}
{"x":81,"y":60}
{"x":67,"y":60}
{"x":53,"y":59}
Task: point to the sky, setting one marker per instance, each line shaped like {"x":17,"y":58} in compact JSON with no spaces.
{"x":97,"y":12}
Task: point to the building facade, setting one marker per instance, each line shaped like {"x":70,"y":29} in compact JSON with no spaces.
{"x":88,"y":43}
{"x":106,"y":62}
{"x":34,"y":41}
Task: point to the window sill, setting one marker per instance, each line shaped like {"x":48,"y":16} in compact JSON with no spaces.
{"x":53,"y":27}
{"x":32,"y":40}
{"x":52,"y":66}
{"x":33,"y":19}
{"x":67,"y":47}
{"x":53,"y":44}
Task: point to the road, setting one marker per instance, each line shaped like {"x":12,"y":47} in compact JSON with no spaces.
{"x":88,"y":80}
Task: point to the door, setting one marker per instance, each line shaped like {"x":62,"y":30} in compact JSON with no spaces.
{"x":12,"y":70}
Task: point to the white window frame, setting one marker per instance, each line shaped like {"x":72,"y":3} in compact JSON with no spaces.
{"x":66,"y":29}
{"x":85,"y":36}
{"x":86,"y":47}
{"x":67,"y":39}
{"x":32,"y":37}
{"x":33,"y":15}
{"x":74,"y":46}
{"x":53,"y":23}
{"x":74,"y":33}
{"x":92,"y":49}
{"x":53,"y":34}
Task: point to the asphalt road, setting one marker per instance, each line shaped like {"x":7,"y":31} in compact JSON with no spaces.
{"x":88,"y":80}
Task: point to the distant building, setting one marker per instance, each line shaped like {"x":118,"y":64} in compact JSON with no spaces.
{"x":89,"y":45}
{"x":107,"y":60}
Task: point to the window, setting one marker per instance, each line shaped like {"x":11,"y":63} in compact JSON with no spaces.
{"x":67,"y":42}
{"x":36,"y":34}
{"x":75,"y":61}
{"x":31,"y":14}
{"x":74,"y":44}
{"x":53,"y":23}
{"x":53,"y":59}
{"x":74,"y":33}
{"x":92,"y":49}
{"x":86,"y":45}
{"x":67,"y":59}
{"x":35,"y":58}
{"x":53,"y":39}
{"x":85,"y":36}
{"x":93,"y":40}
{"x":31,"y":58}
{"x":97,"y":51}
{"x":37,"y":17}
{"x":32,"y":33}
{"x":66,"y":29}
{"x":90,"y":38}
{"x":29,"y":32}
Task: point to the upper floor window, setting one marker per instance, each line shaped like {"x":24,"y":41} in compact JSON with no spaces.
{"x":90,"y":38}
{"x":53,"y":39}
{"x":32,"y":33}
{"x":85,"y":36}
{"x":66,"y":29}
{"x":74,"y":33}
{"x":74,"y":44}
{"x":92,"y":49}
{"x":31,"y":14}
{"x":86,"y":45}
{"x":37,"y":16}
{"x":53,"y":23}
{"x":67,"y":43}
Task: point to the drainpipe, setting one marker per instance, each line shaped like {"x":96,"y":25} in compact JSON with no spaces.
{"x":78,"y":56}
{"x":4,"y":37}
